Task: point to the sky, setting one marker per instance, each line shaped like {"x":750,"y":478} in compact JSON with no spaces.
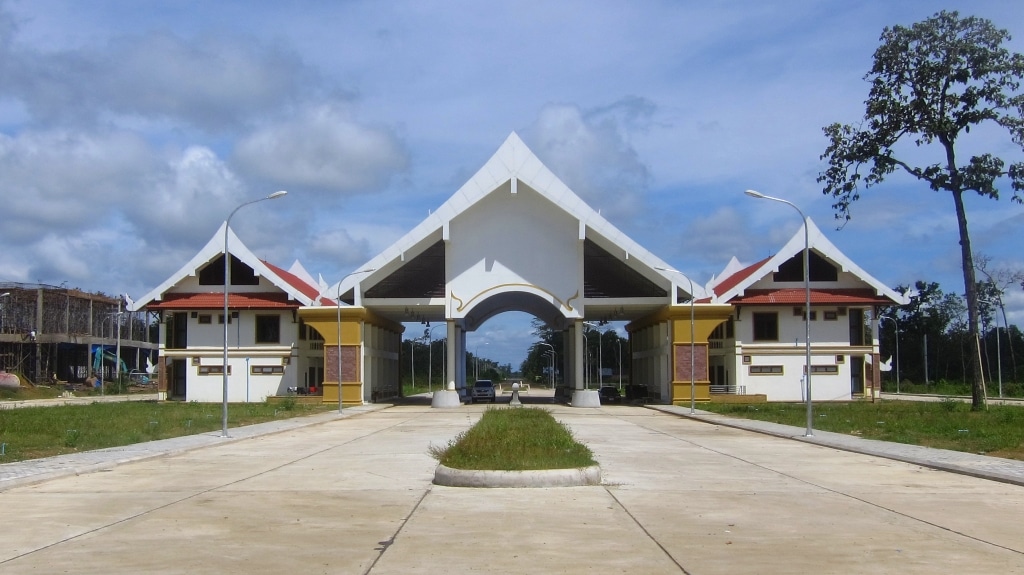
{"x":129,"y":131}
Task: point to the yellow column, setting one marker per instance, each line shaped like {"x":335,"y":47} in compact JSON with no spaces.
{"x":706,"y":317}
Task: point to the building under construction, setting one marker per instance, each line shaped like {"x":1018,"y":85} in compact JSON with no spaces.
{"x":51,"y":334}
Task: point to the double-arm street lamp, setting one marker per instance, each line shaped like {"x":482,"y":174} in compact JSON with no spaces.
{"x":553,"y":354}
{"x":807,"y":308}
{"x":227,"y":287}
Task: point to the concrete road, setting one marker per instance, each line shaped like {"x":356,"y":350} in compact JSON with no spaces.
{"x":354,"y":495}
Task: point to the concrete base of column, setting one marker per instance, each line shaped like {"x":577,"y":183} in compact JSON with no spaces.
{"x":586,"y":398}
{"x":446,"y":398}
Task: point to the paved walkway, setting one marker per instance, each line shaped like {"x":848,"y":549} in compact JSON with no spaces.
{"x":353,"y":494}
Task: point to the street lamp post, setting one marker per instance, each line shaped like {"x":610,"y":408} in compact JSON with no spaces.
{"x":897,"y":336}
{"x":586,"y":364}
{"x":618,"y":340}
{"x":430,"y":358}
{"x":338,"y":302}
{"x":600,"y":358}
{"x":227,"y":288}
{"x":553,"y":354}
{"x":807,"y":308}
{"x":693,"y":384}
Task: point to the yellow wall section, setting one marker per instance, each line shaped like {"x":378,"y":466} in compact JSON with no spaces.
{"x":706,"y":317}
{"x":325,"y":321}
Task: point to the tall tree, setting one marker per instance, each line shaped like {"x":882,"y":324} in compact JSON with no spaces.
{"x":930,"y":83}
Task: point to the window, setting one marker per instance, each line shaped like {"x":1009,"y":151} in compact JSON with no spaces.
{"x":799,"y":312}
{"x":766,"y":326}
{"x":266,"y":370}
{"x":268,"y":329}
{"x":831,"y":316}
{"x":825,"y":369}
{"x":213,"y":370}
{"x":765,"y":370}
{"x":205,"y":318}
{"x":857,"y":327}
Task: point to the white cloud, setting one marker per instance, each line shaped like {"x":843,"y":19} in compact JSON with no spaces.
{"x":590,"y":153}
{"x":323,"y":149}
{"x":63,"y":180}
{"x":212,"y":82}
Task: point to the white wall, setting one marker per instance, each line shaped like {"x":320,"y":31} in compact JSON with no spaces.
{"x":498,"y":241}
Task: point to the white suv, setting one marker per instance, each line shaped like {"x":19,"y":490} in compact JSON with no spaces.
{"x":483,"y":390}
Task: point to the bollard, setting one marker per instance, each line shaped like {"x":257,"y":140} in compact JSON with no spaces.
{"x":515,"y":396}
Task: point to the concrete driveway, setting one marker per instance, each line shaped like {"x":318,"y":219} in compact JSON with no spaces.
{"x":354,"y":495}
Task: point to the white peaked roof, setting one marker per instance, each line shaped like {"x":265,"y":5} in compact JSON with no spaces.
{"x":211,"y":251}
{"x":514,"y":162}
{"x":735,"y":281}
{"x":300,"y":272}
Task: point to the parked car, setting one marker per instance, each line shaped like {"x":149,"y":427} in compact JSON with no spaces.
{"x":609,"y":394}
{"x":483,"y":390}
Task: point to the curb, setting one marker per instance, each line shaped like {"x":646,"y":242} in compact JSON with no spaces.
{"x":575,"y":477}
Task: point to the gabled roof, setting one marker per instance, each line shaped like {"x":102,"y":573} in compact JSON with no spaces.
{"x":295,"y":288}
{"x":733,"y":288}
{"x":514,"y":162}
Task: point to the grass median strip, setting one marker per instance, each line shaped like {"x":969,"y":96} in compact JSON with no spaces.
{"x":515,"y":440}
{"x":34,"y":432}
{"x":946,"y":424}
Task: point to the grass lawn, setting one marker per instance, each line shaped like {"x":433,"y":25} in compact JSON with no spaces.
{"x":947,"y":424}
{"x":34,"y":432}
{"x":515,"y":439}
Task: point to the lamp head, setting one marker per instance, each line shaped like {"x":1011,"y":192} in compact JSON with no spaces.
{"x":277,"y":194}
{"x":754,"y":194}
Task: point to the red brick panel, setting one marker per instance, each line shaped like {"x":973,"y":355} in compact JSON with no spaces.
{"x":682,"y":362}
{"x":349,"y":363}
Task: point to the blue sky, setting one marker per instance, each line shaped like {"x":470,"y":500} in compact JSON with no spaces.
{"x":129,"y":130}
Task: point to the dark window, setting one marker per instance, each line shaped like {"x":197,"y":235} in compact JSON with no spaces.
{"x":213,"y":370}
{"x":177,"y":331}
{"x":266,"y":370}
{"x":766,"y":370}
{"x":766,"y":326}
{"x":857,"y":326}
{"x":302,"y":329}
{"x":268,"y":329}
{"x":792,"y":270}
{"x":241,"y":274}
{"x":205,"y":318}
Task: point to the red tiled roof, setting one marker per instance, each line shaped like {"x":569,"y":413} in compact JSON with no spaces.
{"x":293,"y":280}
{"x":797,"y":296}
{"x":731,"y":281}
{"x":215,"y":300}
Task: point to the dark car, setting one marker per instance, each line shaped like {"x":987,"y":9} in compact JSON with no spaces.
{"x":483,"y":390}
{"x":609,"y":394}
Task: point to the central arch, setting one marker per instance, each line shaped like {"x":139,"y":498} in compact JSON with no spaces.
{"x":513,"y":238}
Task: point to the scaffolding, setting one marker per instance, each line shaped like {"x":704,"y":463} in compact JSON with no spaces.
{"x":48,"y":334}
